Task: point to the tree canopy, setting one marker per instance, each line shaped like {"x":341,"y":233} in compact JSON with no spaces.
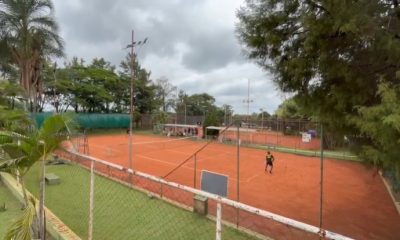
{"x":333,"y":55}
{"x":28,"y":34}
{"x":290,"y":109}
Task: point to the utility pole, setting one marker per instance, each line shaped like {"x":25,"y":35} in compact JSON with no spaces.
{"x":131,"y":107}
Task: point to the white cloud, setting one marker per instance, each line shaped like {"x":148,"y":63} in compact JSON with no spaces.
{"x":192,"y":43}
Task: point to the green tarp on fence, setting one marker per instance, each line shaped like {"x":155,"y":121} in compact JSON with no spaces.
{"x":92,"y":120}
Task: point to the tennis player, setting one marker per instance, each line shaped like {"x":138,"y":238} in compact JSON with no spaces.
{"x":269,"y":162}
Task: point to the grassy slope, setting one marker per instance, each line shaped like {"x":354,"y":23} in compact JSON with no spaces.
{"x":121,"y":213}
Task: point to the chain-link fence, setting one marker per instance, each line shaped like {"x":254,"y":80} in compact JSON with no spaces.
{"x":298,"y":136}
{"x":101,"y":200}
{"x":121,"y":121}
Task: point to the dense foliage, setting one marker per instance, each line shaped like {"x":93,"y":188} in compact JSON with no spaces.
{"x":337,"y":57}
{"x":28,"y":35}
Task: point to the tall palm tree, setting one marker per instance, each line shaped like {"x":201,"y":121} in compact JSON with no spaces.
{"x":28,"y":34}
{"x":20,"y":153}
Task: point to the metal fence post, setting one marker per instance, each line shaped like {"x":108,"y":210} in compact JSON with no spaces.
{"x":321,"y":177}
{"x":277,"y":131}
{"x":195,"y":171}
{"x":237,"y":174}
{"x":91,"y":201}
{"x":218,"y":222}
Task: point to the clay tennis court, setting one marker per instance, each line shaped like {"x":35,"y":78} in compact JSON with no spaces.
{"x":275,"y":139}
{"x":355,"y":201}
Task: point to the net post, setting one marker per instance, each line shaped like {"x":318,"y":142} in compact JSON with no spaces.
{"x":218,"y":221}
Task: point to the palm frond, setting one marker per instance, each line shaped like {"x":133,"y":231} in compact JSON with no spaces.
{"x":21,"y":229}
{"x":53,"y":131}
{"x":13,"y":135}
{"x":39,"y":5}
{"x":20,"y":21}
{"x":13,"y":150}
{"x":9,"y":165}
{"x":5,"y":139}
{"x":49,"y":38}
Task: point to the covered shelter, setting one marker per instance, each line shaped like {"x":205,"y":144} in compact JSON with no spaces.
{"x":171,"y":129}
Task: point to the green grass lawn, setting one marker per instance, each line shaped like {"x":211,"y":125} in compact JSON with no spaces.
{"x":13,"y":209}
{"x":120,"y":212}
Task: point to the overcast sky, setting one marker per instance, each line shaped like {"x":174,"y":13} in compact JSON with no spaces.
{"x":190,"y":42}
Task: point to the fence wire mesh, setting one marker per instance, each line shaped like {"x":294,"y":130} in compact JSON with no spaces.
{"x":69,"y":200}
{"x":132,"y":205}
{"x":289,"y":134}
{"x":297,"y":136}
{"x":127,"y":206}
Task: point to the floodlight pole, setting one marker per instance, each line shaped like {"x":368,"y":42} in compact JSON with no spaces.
{"x":225,"y":123}
{"x":186,"y":112}
{"x":237,"y":172}
{"x":262,"y":118}
{"x":248,"y":101}
{"x":131,"y":99}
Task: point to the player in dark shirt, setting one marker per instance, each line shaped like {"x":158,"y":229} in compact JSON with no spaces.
{"x":269,"y":162}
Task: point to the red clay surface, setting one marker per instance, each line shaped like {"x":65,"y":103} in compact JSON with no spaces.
{"x":355,"y":201}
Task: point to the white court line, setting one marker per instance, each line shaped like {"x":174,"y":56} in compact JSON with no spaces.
{"x":202,"y":159}
{"x":167,"y":141}
{"x":251,"y":178}
{"x":190,"y":168}
{"x":162,"y":161}
{"x":211,"y":156}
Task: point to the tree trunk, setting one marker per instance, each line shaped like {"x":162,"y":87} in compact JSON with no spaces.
{"x":41,"y":199}
{"x":23,"y":189}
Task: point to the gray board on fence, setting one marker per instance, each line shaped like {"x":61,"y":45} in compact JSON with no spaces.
{"x":214,"y":183}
